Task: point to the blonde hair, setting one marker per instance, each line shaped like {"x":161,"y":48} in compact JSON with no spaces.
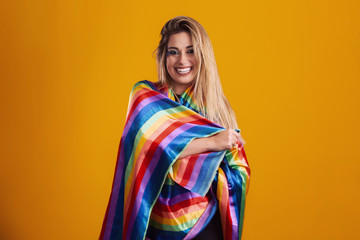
{"x":208,"y":93}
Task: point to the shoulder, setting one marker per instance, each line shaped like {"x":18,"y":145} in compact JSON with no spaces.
{"x":144,"y":84}
{"x":151,"y":86}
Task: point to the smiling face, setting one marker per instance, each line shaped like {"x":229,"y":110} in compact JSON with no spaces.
{"x":181,"y":63}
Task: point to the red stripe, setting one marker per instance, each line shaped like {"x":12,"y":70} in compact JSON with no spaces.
{"x":200,"y":120}
{"x":138,"y":100}
{"x":158,"y":208}
{"x":189,"y":168}
{"x":228,"y":232}
{"x":244,"y":155}
{"x":144,"y":166}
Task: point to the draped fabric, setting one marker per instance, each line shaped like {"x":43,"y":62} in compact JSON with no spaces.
{"x":157,"y":195}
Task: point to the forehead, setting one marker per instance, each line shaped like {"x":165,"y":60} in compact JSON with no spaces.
{"x":180,"y":40}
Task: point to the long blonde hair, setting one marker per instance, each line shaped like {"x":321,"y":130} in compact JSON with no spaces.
{"x":208,"y":92}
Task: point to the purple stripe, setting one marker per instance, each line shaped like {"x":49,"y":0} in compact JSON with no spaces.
{"x":235,"y":228}
{"x":115,"y":192}
{"x":201,"y":221}
{"x":139,"y":107}
{"x":195,"y":172}
{"x":232,"y":207}
{"x":231,"y":199}
{"x":150,"y":170}
{"x":178,"y":198}
{"x":235,"y":232}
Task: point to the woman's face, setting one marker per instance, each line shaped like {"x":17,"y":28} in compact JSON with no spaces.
{"x":181,"y":63}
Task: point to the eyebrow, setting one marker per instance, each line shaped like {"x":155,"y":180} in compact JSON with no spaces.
{"x":178,"y":49}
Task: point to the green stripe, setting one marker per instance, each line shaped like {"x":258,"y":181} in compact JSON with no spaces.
{"x":231,"y":161}
{"x":169,"y":181}
{"x":243,"y":197}
{"x":188,"y":99}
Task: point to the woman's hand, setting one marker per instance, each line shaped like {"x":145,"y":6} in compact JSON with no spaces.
{"x":226,"y":139}
{"x":218,"y":142}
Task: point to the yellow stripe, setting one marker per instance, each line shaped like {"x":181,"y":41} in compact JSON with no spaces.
{"x":222,"y":182}
{"x":176,"y":228}
{"x":175,"y":168}
{"x":179,"y":220}
{"x":241,"y":166}
{"x":136,"y":89}
{"x":220,"y":185}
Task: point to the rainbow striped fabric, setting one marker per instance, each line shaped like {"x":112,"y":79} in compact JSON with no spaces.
{"x":154,"y":194}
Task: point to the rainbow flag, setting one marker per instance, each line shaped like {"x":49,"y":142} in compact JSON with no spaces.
{"x":156,"y":195}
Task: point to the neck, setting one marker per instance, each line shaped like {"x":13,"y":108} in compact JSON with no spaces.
{"x":179,"y":89}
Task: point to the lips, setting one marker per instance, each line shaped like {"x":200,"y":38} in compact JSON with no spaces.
{"x":183,"y":70}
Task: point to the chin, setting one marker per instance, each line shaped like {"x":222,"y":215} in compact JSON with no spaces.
{"x":184,"y":84}
{"x":183,"y":81}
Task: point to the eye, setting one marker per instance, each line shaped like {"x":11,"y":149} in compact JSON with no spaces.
{"x":190,"y":51}
{"x":172,"y":52}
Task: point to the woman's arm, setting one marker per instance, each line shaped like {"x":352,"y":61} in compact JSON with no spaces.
{"x":218,"y":142}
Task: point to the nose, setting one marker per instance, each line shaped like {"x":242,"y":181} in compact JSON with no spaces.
{"x":183,"y":59}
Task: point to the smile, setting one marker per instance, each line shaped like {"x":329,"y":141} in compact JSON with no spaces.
{"x":183,"y":70}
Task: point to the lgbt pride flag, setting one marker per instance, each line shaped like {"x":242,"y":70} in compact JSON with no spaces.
{"x":156,"y":195}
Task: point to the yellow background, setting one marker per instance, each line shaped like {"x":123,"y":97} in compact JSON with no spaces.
{"x":290,"y":69}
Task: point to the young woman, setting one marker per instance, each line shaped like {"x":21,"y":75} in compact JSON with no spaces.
{"x":182,"y":172}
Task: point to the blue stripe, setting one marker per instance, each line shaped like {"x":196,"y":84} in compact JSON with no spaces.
{"x":207,"y":172}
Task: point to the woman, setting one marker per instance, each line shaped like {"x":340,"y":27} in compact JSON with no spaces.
{"x":181,"y":172}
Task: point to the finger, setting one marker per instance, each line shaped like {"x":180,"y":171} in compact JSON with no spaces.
{"x":236,"y":142}
{"x":240,"y":139}
{"x":235,"y":133}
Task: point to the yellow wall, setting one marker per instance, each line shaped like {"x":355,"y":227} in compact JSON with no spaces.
{"x":290,"y":69}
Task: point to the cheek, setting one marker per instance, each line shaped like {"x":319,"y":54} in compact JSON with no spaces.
{"x":168,"y":68}
{"x":194,"y":61}
{"x":169,"y":65}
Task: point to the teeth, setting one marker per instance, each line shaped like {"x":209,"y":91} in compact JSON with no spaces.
{"x":183,"y":70}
